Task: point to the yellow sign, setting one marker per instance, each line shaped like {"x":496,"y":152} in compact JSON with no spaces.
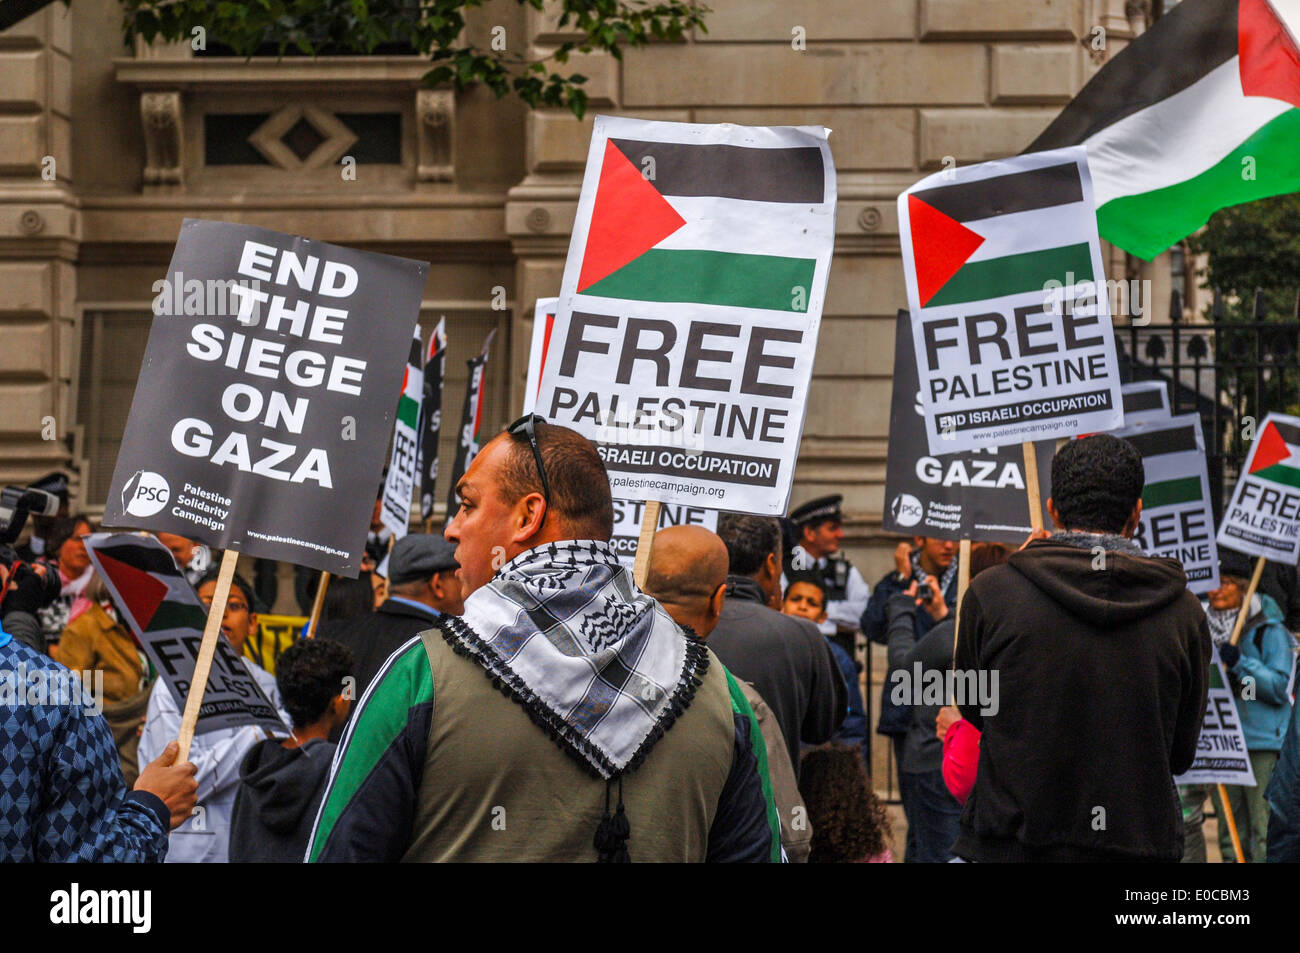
{"x":274,"y":634}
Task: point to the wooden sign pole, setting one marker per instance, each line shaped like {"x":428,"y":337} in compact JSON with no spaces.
{"x":963,"y":581}
{"x":1244,"y":612}
{"x":316,"y":604}
{"x":203,"y":664}
{"x":645,"y":542}
{"x":1031,"y":485}
{"x":1232,"y":824}
{"x":1242,"y":615}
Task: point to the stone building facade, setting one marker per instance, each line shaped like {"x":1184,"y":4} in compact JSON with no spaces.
{"x":104,"y":149}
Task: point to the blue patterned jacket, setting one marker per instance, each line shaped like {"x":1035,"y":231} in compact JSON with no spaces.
{"x":62,"y":796}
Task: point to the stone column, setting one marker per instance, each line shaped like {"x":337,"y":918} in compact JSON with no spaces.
{"x":39,"y":234}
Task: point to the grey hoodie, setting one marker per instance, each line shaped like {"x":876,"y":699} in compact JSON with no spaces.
{"x":279,"y":791}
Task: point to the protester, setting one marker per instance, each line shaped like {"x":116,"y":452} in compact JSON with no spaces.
{"x":66,"y":544}
{"x":349,"y":598}
{"x":281,"y":782}
{"x":205,"y":837}
{"x":931,"y":810}
{"x":784,"y":657}
{"x":1102,"y":660}
{"x":671,"y":770}
{"x":805,"y":597}
{"x":819,"y":530}
{"x":688,"y":575}
{"x":194,"y":559}
{"x":96,"y":641}
{"x":849,"y":821}
{"x":422,"y":586}
{"x":1261,"y":669}
{"x":930,"y":563}
{"x":62,"y":797}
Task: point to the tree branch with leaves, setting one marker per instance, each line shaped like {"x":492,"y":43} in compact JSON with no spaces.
{"x":432,"y":28}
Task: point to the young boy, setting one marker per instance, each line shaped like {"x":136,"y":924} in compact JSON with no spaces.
{"x":282,"y":781}
{"x":805,"y":597}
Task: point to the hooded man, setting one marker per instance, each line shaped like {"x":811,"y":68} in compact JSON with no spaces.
{"x":1102,"y":660}
{"x":564,"y":716}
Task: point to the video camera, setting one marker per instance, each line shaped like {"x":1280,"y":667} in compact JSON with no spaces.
{"x":16,"y":504}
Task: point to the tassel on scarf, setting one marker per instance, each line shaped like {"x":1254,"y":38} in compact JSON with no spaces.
{"x":612,"y":833}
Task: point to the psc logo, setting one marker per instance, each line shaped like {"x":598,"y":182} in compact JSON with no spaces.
{"x":145,"y":493}
{"x":906,"y":510}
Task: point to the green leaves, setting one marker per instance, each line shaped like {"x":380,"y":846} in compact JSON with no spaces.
{"x":433,"y":28}
{"x":1251,"y":246}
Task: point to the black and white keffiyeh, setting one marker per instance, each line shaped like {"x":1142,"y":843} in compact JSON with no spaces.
{"x":600,"y":666}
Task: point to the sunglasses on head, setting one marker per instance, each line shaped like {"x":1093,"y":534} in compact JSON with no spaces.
{"x":527,"y":425}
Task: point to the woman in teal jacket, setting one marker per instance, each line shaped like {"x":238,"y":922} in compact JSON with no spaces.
{"x":1260,"y":667}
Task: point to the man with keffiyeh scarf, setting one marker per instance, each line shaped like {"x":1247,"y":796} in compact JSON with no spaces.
{"x":641,"y":746}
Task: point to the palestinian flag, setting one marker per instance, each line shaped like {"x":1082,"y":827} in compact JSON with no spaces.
{"x":1276,"y":455}
{"x":435,"y":368}
{"x":402,"y":464}
{"x":1006,"y":234}
{"x":1161,"y":488}
{"x":471,"y":419}
{"x":145,"y":584}
{"x":1197,"y":114}
{"x":164,"y":614}
{"x":705,"y":222}
{"x":1177,"y":514}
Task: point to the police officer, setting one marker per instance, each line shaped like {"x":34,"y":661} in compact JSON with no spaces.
{"x":818,"y":529}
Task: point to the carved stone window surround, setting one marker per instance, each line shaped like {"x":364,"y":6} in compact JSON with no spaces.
{"x":171,"y":84}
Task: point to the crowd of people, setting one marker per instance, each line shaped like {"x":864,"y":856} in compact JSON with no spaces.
{"x":507,"y":691}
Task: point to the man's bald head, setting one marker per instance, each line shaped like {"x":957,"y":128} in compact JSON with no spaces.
{"x":688,"y":575}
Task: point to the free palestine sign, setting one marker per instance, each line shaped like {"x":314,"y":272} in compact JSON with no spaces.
{"x":1010,"y":319}
{"x":687,"y":320}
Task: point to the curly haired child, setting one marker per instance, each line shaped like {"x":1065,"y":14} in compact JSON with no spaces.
{"x":848,"y":820}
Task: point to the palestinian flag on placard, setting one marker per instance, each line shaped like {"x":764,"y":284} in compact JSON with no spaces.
{"x":435,"y":367}
{"x":1161,"y":441}
{"x":701,"y":223}
{"x":408,"y":405}
{"x":471,"y":419}
{"x":145,"y":583}
{"x":1276,"y":455}
{"x":969,"y":238}
{"x":1196,"y":114}
{"x":403,"y":463}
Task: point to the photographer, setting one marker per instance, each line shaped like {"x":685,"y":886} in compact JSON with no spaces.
{"x":930,"y":564}
{"x":27,"y":590}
